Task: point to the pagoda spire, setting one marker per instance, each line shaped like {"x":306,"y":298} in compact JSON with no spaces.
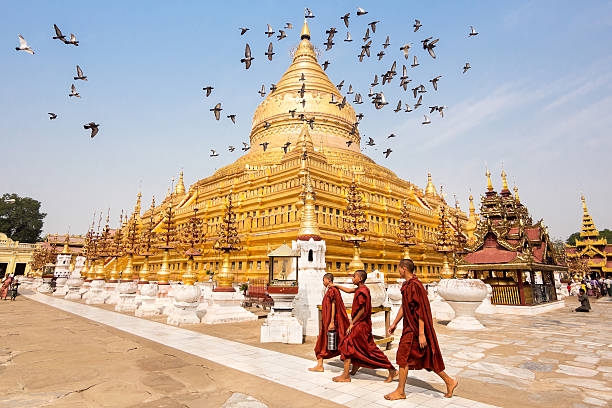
{"x":305,"y":35}
{"x":137,"y":207}
{"x":516,"y":196}
{"x":505,"y":185}
{"x":472,"y":208}
{"x":308,"y":224}
{"x":588,"y":226}
{"x":489,"y":184}
{"x":430,"y":189}
{"x":180,"y":186}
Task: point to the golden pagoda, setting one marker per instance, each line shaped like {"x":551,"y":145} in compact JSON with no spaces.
{"x":266,"y":186}
{"x":591,"y":247}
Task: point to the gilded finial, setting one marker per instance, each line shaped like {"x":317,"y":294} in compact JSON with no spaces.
{"x":305,"y":31}
{"x":516,"y":196}
{"x":137,"y":207}
{"x":308,"y":224}
{"x":489,"y":184}
{"x":430,"y":189}
{"x":505,"y":182}
{"x":180,"y":186}
{"x":584,"y":207}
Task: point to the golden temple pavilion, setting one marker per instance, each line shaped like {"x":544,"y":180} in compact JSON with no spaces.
{"x":591,"y":246}
{"x":266,"y":186}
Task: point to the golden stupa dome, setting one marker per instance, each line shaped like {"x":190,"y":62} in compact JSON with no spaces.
{"x":274,"y":124}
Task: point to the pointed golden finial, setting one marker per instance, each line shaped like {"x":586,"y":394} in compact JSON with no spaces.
{"x":137,"y":207}
{"x":66,"y":250}
{"x":588,"y":226}
{"x":472,"y":208}
{"x":516,"y":196}
{"x":584,"y":207}
{"x":305,"y":31}
{"x":308,"y":224}
{"x":505,"y":182}
{"x":430,"y":189}
{"x":489,"y":184}
{"x":180,"y":186}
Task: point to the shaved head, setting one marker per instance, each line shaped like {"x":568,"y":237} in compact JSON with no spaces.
{"x":329,"y":276}
{"x":362,"y":275}
{"x":407,"y":264}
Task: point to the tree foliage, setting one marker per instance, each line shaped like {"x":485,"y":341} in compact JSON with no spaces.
{"x":571,"y":240}
{"x":20,"y":218}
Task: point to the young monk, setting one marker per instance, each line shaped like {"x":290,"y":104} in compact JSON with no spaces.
{"x":418,"y":348}
{"x":358,"y":346}
{"x":333,"y":317}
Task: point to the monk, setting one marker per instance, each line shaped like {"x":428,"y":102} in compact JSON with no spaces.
{"x":418,"y":348}
{"x":333,"y":317}
{"x":358,"y":346}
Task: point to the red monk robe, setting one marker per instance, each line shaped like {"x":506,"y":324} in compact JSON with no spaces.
{"x":416,"y":306}
{"x":341,"y":322}
{"x":359,"y":345}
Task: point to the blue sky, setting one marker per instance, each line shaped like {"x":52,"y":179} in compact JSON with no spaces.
{"x":537,"y":98}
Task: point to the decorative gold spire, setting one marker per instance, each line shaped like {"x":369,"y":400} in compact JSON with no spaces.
{"x":516,"y":196}
{"x":472,"y":208}
{"x":489,"y":184}
{"x":308,"y":224}
{"x":588,"y":226}
{"x":430,"y":190}
{"x":180,"y":186}
{"x":305,"y":35}
{"x":137,"y":207}
{"x":505,"y":182}
{"x":66,"y":250}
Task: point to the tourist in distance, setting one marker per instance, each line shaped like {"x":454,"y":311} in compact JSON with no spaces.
{"x":418,"y":348}
{"x":6,"y":284}
{"x":358,"y":346}
{"x":333,"y":318}
{"x":585,"y":305}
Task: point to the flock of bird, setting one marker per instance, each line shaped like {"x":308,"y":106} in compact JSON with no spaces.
{"x":23,"y":46}
{"x":377,"y":98}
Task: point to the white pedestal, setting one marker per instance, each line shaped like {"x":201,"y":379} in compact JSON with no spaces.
{"x":464,"y":296}
{"x":281,"y":327}
{"x":464,"y":316}
{"x":395,"y":299}
{"x":84,"y":291}
{"x":148,"y":305}
{"x":74,"y":288}
{"x":60,"y":287}
{"x":486,"y":307}
{"x":186,"y":299}
{"x":97,"y":292}
{"x":164,"y":298}
{"x":127,"y":297}
{"x":311,"y":270}
{"x":225,"y":308}
{"x":112,"y":294}
{"x":45,"y":287}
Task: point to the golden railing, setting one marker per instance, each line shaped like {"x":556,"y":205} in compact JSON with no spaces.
{"x":505,"y":295}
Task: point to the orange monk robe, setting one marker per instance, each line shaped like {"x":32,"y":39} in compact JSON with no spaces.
{"x":359,"y":345}
{"x":416,"y":306}
{"x":341,"y":322}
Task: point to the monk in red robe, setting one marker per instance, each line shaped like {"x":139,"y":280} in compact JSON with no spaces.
{"x":358,"y":346}
{"x":418,"y":348}
{"x":333,"y":317}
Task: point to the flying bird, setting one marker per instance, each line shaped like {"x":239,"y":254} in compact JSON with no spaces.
{"x":430,"y":45}
{"x":370,"y":142}
{"x":331,"y":32}
{"x":266,"y":124}
{"x":270,"y":52}
{"x":419,"y":102}
{"x":262,"y":92}
{"x":359,"y":117}
{"x":349,"y":143}
{"x":308,"y":13}
{"x":288,"y":26}
{"x":302,"y":78}
{"x":473,"y":32}
{"x":281,"y":35}
{"x":208,"y":90}
{"x":264,"y":145}
{"x":328,"y":44}
{"x":58,"y":34}
{"x":292,"y":112}
{"x":233,"y":119}
{"x":417,"y":25}
{"x":272,"y":88}
{"x":72,"y":40}
{"x":269,"y":31}
{"x":340,"y":85}
{"x":325,"y":65}
{"x":52,"y":116}
{"x":348,"y":37}
{"x":366,"y":37}
{"x":346,"y":19}
{"x":466,"y":67}
{"x":303,"y":102}
{"x":80,"y":74}
{"x":333,"y":99}
{"x":387,"y":153}
{"x":441,"y":110}
{"x":405,"y":48}
{"x":408,"y":108}
{"x":434,"y":82}
{"x":245,"y":147}
{"x":23,"y":46}
{"x":386,"y":43}
{"x":350,"y":90}
{"x":73,"y":91}
{"x":373,"y":25}
{"x":399,"y":106}
{"x":217,"y":110}
{"x":433,"y":108}
{"x":247,"y":57}
{"x":243,"y":30}
{"x":342,"y":104}
{"x":391,"y":135}
{"x":361,"y":12}
{"x":380,"y":55}
{"x":358,"y":100}
{"x":302,"y":90}
{"x":285,"y":147}
{"x":231,"y":148}
{"x":375,"y":80}
{"x":93,"y":127}
{"x":415,"y":62}
{"x":426,"y":121}
{"x":213,"y":153}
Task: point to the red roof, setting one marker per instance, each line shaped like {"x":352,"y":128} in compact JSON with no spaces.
{"x":533,"y":234}
{"x":490,"y":253}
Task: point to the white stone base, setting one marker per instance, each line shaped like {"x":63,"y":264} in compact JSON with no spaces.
{"x":148,"y":307}
{"x":45,"y":287}
{"x":530,"y":310}
{"x":440,"y":310}
{"x":464,"y":316}
{"x":281,"y":327}
{"x":73,"y":294}
{"x":183,"y":313}
{"x":226,"y":309}
{"x":111,"y":291}
{"x":126,"y":303}
{"x":61,"y":289}
{"x":97,"y":293}
{"x":164,"y":298}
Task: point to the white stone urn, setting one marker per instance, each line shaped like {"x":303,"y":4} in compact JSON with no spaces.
{"x":464,"y":296}
{"x":127,"y":296}
{"x":74,"y":288}
{"x":45,"y":287}
{"x":486,"y":307}
{"x":97,"y":292}
{"x":60,"y":287}
{"x":148,"y":305}
{"x":186,"y":299}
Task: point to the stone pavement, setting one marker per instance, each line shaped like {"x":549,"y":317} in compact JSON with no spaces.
{"x":291,"y":371}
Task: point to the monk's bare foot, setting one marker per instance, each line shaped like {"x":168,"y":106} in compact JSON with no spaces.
{"x":355,"y":369}
{"x":450,"y":388}
{"x":395,"y":395}
{"x":341,"y":378}
{"x":391,"y":376}
{"x":316,"y":368}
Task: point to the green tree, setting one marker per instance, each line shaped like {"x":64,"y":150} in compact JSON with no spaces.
{"x":20,"y":218}
{"x":571,"y":240}
{"x":607,"y":234}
